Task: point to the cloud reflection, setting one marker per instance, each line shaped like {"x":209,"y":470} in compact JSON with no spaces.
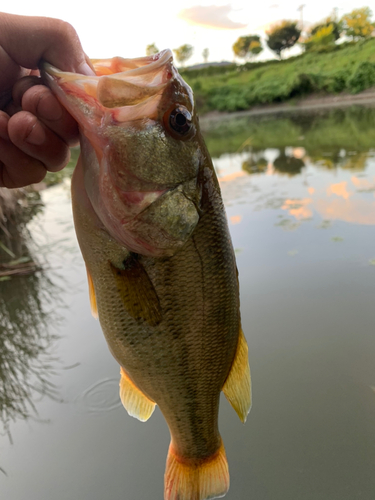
{"x":235,"y":219}
{"x":363,"y":184}
{"x":339,"y":189}
{"x":357,"y":211}
{"x":304,"y":166}
{"x":299,"y":208}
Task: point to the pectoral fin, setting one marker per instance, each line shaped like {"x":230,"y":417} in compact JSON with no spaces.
{"x":137,"y":291}
{"x":237,"y":387}
{"x":94,"y":307}
{"x":135,"y":402}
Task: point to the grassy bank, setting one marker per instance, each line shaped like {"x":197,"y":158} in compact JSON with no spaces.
{"x":348,"y":68}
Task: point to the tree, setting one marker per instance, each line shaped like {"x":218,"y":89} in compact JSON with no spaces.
{"x":322,"y":37}
{"x":205,"y":55}
{"x":247,"y":46}
{"x":282,"y":36}
{"x":151,"y":49}
{"x":357,"y":23}
{"x":323,"y":34}
{"x":329,"y":21}
{"x":183,"y":53}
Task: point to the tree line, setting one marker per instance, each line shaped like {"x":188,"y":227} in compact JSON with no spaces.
{"x":320,"y":37}
{"x":285,"y":34}
{"x":182,"y":53}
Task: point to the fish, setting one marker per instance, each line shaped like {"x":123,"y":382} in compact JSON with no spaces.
{"x":162,"y":275}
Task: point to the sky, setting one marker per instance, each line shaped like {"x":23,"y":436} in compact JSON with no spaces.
{"x":122,"y":28}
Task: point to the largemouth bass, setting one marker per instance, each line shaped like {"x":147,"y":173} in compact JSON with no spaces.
{"x":162,"y":274}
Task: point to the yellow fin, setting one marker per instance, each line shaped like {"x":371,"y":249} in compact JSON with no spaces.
{"x":189,"y":479}
{"x":94,"y":307}
{"x":237,"y":387}
{"x":135,"y":402}
{"x":137,"y":291}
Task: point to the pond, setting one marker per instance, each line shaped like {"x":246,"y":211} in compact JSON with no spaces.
{"x":299,"y":190}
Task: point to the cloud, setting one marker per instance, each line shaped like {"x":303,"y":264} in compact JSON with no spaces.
{"x":210,"y":16}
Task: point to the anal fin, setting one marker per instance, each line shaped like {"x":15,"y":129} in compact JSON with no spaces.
{"x":93,"y":304}
{"x":237,"y":387}
{"x":135,"y":402}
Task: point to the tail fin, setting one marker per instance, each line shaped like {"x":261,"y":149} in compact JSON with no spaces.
{"x":200,"y":479}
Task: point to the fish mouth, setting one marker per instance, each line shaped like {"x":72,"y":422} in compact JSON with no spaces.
{"x":130,"y":88}
{"x":124,"y":138}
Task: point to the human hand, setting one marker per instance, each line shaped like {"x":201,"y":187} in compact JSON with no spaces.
{"x":35,"y":130}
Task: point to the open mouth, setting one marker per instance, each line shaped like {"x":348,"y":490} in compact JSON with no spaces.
{"x":130,"y":88}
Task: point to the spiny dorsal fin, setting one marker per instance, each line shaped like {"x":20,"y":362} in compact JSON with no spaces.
{"x":94,"y":307}
{"x":135,"y":402}
{"x":237,"y":387}
{"x":137,"y":291}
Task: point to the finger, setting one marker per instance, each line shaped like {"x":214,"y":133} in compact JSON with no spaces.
{"x":40,"y":101}
{"x":22,"y":85}
{"x":4,"y":118}
{"x":18,"y":169}
{"x":57,"y":42}
{"x":36,"y":140}
{"x":11,"y":109}
{"x":10,"y":72}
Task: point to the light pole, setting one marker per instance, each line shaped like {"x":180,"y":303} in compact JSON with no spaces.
{"x":300,"y":8}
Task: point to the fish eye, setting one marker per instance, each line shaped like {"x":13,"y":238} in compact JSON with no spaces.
{"x":180,"y":120}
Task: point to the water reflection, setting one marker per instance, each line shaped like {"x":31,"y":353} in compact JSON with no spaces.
{"x":285,"y":164}
{"x":304,"y":240}
{"x":336,"y":143}
{"x":255,"y":164}
{"x":334,"y":137}
{"x":27,"y":316}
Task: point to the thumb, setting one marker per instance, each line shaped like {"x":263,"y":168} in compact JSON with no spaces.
{"x":27,"y":40}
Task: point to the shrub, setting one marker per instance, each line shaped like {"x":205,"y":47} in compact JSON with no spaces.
{"x":228,"y":99}
{"x":305,"y":83}
{"x":363,"y":77}
{"x":337,"y":83}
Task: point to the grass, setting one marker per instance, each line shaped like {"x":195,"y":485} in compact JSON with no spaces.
{"x":348,"y":67}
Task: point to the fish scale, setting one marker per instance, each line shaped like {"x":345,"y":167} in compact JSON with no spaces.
{"x":153,"y":233}
{"x":205,"y":362}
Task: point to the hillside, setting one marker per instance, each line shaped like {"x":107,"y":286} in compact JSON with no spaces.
{"x":348,"y":68}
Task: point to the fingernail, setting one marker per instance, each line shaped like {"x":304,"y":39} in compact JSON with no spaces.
{"x":49,"y":108}
{"x":84,"y":69}
{"x":37,"y":136}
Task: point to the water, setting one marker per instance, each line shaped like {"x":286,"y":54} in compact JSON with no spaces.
{"x":300,"y":198}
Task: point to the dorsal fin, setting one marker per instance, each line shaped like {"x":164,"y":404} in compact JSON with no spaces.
{"x":137,"y":291}
{"x":237,"y":387}
{"x":135,"y":402}
{"x":94,"y":307}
